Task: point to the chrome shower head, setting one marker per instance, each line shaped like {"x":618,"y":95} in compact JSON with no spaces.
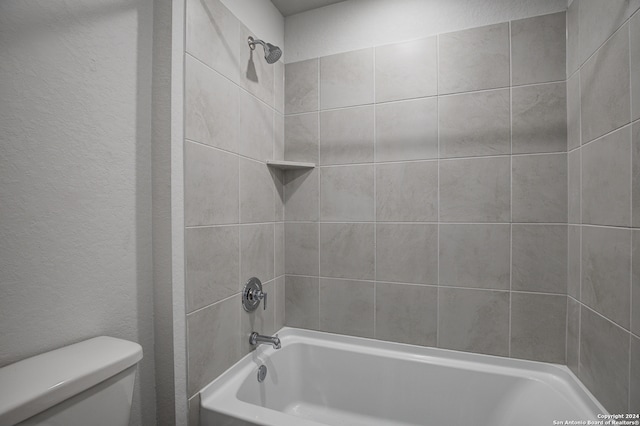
{"x":271,"y":53}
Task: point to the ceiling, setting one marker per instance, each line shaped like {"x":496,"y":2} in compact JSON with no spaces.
{"x":291,"y":7}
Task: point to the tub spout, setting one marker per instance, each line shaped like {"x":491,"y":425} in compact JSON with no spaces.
{"x":256,"y":339}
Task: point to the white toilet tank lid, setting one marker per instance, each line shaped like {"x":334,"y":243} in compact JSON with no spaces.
{"x":35,"y":384}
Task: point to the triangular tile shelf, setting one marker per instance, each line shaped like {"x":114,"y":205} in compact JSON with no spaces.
{"x":290,"y":165}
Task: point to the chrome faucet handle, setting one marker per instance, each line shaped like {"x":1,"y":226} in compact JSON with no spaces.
{"x":252,"y":294}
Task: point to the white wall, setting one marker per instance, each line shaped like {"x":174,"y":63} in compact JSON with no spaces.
{"x":261,"y":16}
{"x":75,"y":178}
{"x":357,"y":24}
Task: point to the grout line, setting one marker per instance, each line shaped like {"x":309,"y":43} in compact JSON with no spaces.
{"x":510,"y":185}
{"x":225,"y":151}
{"x":375,"y":205}
{"x":319,"y":183}
{"x":438,"y":191}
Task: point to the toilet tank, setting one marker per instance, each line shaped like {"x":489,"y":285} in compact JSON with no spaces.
{"x":88,"y":383}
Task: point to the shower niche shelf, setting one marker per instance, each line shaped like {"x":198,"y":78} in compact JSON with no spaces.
{"x":290,"y":165}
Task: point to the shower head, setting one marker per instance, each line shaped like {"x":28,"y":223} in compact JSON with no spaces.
{"x":271,"y":53}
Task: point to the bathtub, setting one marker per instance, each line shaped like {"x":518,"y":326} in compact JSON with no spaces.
{"x":325,"y":379}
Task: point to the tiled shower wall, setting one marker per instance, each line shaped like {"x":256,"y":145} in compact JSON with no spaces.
{"x":438,"y":213}
{"x":233,"y":202}
{"x":603,"y":94}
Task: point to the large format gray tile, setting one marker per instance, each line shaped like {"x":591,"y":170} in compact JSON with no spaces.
{"x":262,"y":320}
{"x":573,"y":261}
{"x":573,"y":35}
{"x":407,"y":313}
{"x":212,"y":34}
{"x":407,"y":253}
{"x":277,"y":179}
{"x":347,"y":250}
{"x":574,"y":171}
{"x":280,"y":302}
{"x":540,"y":258}
{"x":194,"y":410}
{"x":301,"y":137}
{"x":604,"y":360}
{"x":346,"y":135}
{"x":302,"y":302}
{"x":302,"y":195}
{"x":256,"y":192}
{"x":301,"y":248}
{"x":256,"y":128}
{"x":475,"y":190}
{"x":474,"y":320}
{"x":278,"y":87}
{"x":346,"y":193}
{"x":347,"y":307}
{"x":635,"y":174}
{"x":213,"y":339}
{"x":540,"y":118}
{"x":635,"y":284}
{"x":211,"y":107}
{"x":210,"y":186}
{"x":606,"y":272}
{"x":212,"y":265}
{"x":573,"y":334}
{"x":278,"y":255}
{"x":538,"y":327}
{"x":406,"y":70}
{"x":474,"y":59}
{"x":278,"y":137}
{"x":256,"y":252}
{"x":540,"y":188}
{"x":538,"y":49}
{"x":407,"y":130}
{"x":475,"y":256}
{"x":573,"y":112}
{"x":634,"y":388}
{"x":598,"y":20}
{"x":407,"y":192}
{"x":256,"y":75}
{"x":301,"y":86}
{"x":475,"y":124}
{"x":606,"y":180}
{"x":604,"y":87}
{"x":346,"y":79}
{"x":635,"y":66}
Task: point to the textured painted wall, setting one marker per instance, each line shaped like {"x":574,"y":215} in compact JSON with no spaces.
{"x":437,"y":213}
{"x":75,"y":179}
{"x":356,"y":24}
{"x":603,"y":123}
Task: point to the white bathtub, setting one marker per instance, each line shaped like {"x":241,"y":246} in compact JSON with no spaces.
{"x":326,"y":379}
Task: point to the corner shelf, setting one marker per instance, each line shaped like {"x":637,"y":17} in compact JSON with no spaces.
{"x":290,"y":165}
